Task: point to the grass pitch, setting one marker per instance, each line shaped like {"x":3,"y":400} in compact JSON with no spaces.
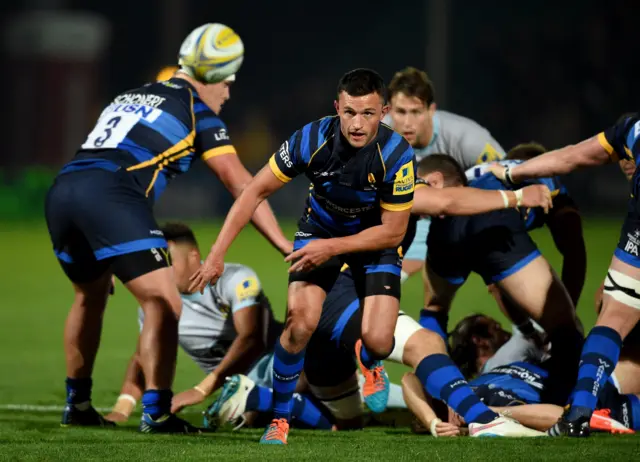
{"x":35,"y":298}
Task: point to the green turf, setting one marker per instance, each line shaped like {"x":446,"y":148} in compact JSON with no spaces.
{"x":35,"y":299}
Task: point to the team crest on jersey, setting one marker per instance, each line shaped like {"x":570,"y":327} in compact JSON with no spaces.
{"x":404,"y":182}
{"x":489,"y":154}
{"x":249,"y":288}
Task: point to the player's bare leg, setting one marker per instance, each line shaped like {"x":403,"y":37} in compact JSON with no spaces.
{"x":158,"y":348}
{"x":303,"y":314}
{"x":411,"y":267}
{"x":81,"y":341}
{"x":379,"y":317}
{"x":537,"y":290}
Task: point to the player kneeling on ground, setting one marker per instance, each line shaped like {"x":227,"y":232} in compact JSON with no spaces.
{"x":228,"y":329}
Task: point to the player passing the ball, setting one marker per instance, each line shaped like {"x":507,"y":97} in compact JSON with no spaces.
{"x":362,"y":183}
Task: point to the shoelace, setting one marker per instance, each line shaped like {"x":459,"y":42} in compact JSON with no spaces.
{"x":278,"y":427}
{"x":378,"y":378}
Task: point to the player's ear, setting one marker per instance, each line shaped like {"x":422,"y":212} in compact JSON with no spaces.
{"x":194,"y":256}
{"x":385,"y":111}
{"x":435,"y":179}
{"x":337,"y":106}
{"x":432,"y":108}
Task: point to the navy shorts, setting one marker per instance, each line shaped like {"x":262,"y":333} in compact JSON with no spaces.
{"x":329,"y":358}
{"x":628,"y":249}
{"x":493,"y":245}
{"x":99,"y":220}
{"x":374,"y":273}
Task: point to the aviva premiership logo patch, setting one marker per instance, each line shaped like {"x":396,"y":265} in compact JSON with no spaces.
{"x":248,"y":288}
{"x":404,"y":181}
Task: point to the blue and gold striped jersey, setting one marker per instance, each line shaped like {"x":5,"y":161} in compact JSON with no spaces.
{"x":155,"y":133}
{"x":349,"y":186}
{"x":534,"y":218}
{"x":621,"y":140}
{"x":525,"y":380}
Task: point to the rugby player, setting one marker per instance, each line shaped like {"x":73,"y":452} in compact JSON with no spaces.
{"x":509,"y":374}
{"x":100,"y":220}
{"x":621,"y":300}
{"x":362,"y":176}
{"x":414,"y":114}
{"x":497,"y":246}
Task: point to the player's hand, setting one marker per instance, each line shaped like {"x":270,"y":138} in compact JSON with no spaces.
{"x":312,"y":255}
{"x":287,"y":248}
{"x":445,"y":429}
{"x":499,"y":171}
{"x":209,"y":272}
{"x":537,"y":195}
{"x":116,"y":417}
{"x":187,"y":398}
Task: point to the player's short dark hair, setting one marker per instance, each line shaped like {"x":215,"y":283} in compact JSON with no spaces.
{"x":526,"y":151}
{"x":361,"y":82}
{"x":462,"y":348}
{"x":413,"y":82}
{"x":179,"y":233}
{"x":445,"y":164}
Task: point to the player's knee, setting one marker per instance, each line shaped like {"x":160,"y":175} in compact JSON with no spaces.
{"x":299,"y":327}
{"x":162,"y":306}
{"x":378,"y":343}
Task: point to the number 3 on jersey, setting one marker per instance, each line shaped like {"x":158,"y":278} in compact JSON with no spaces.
{"x":114,"y":125}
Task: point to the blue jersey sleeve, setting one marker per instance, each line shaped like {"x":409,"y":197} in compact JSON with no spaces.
{"x":621,"y":140}
{"x":396,"y":193}
{"x":212,"y":138}
{"x":287,"y":162}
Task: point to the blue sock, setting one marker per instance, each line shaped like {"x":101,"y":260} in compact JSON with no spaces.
{"x":435,"y":321}
{"x":156,"y":403}
{"x":634,"y":415}
{"x":441,"y":379}
{"x":306,"y":412}
{"x":599,"y":357}
{"x":368,"y":359}
{"x":286,"y":370}
{"x":78,"y":390}
{"x":260,"y":399}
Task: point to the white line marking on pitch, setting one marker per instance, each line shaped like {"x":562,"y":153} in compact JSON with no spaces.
{"x":57,"y":408}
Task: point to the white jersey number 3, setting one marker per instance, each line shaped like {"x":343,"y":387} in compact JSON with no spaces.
{"x":114,"y":125}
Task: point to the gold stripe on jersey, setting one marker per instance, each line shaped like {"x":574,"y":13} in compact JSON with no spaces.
{"x":219,"y":151}
{"x":384,"y":167}
{"x":181,"y":149}
{"x":276,"y":170}
{"x":607,"y":147}
{"x":318,"y":150}
{"x":396,"y":207}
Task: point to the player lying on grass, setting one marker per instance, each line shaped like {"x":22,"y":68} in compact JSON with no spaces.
{"x":563,"y":222}
{"x":621,"y":301}
{"x":509,"y":374}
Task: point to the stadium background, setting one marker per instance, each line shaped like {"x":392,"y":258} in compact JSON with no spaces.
{"x":525,"y":70}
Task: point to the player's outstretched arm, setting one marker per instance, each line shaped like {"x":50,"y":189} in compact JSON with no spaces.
{"x":262,"y":186}
{"x":235,"y":178}
{"x":419,"y":405}
{"x":245,"y":349}
{"x":588,"y":153}
{"x":130,"y":392}
{"x":472,"y":201}
{"x":537,"y":416}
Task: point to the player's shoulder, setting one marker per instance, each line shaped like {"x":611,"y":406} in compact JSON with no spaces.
{"x":394,"y":148}
{"x":237,"y":272}
{"x":450,"y":122}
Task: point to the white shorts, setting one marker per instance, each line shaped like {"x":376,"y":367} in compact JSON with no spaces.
{"x":406,"y":326}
